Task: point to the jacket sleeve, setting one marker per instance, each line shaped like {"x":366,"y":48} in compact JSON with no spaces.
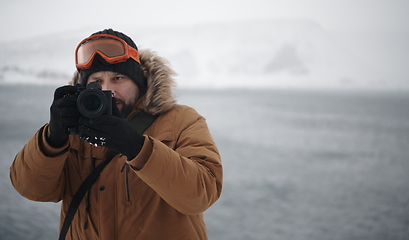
{"x":188,"y":177}
{"x":38,"y":176}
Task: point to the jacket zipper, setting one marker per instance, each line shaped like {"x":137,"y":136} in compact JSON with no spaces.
{"x":128,"y":195}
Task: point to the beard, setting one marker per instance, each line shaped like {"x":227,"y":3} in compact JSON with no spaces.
{"x":126,"y":108}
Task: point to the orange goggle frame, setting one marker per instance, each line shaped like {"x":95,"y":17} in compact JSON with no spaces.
{"x":113,"y":49}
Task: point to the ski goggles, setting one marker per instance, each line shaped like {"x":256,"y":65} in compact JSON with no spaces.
{"x":113,"y":49}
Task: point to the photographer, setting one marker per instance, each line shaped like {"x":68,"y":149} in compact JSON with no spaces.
{"x":158,"y":182}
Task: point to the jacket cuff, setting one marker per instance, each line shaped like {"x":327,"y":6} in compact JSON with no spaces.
{"x":46,"y":148}
{"x":139,"y":161}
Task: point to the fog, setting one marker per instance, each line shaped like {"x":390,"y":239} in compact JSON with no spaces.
{"x":218,"y":44}
{"x":26,"y":18}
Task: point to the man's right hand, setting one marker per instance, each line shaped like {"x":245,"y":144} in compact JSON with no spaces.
{"x":63,"y":114}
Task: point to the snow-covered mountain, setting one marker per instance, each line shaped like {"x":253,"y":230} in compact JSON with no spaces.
{"x":259,"y":54}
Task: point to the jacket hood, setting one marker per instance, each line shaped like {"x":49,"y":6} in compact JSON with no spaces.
{"x":159,"y":96}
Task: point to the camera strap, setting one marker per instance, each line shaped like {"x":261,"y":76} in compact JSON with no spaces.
{"x":141,"y":121}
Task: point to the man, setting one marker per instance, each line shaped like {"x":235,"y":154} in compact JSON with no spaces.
{"x":158,"y":185}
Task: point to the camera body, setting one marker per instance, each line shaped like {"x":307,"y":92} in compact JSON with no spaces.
{"x":92,"y":102}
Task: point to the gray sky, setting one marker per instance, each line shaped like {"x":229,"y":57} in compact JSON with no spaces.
{"x":26,"y":18}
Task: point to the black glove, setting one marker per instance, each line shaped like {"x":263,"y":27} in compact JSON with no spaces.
{"x":113,"y":132}
{"x":63,"y":114}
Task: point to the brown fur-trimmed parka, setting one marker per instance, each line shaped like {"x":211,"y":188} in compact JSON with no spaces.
{"x":165,"y":199}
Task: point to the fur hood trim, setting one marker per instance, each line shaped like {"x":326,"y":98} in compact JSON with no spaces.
{"x":159,"y":96}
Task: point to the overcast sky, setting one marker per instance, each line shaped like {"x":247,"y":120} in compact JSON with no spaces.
{"x":26,"y":18}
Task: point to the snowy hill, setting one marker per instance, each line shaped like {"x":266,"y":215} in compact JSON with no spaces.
{"x":276,"y":53}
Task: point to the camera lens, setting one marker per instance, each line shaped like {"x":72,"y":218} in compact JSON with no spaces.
{"x":92,"y":103}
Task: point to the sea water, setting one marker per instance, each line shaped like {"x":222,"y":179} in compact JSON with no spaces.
{"x":298,"y":164}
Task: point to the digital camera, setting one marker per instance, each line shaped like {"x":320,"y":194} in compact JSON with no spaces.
{"x":92,"y":102}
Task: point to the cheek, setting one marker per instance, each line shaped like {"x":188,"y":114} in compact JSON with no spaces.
{"x":131,"y":95}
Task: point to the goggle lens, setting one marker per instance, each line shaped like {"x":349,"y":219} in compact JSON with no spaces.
{"x":108,"y":47}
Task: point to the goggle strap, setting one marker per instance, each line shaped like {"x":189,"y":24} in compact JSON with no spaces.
{"x":134,"y":54}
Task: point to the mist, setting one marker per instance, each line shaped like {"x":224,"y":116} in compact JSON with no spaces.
{"x":353,"y":44}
